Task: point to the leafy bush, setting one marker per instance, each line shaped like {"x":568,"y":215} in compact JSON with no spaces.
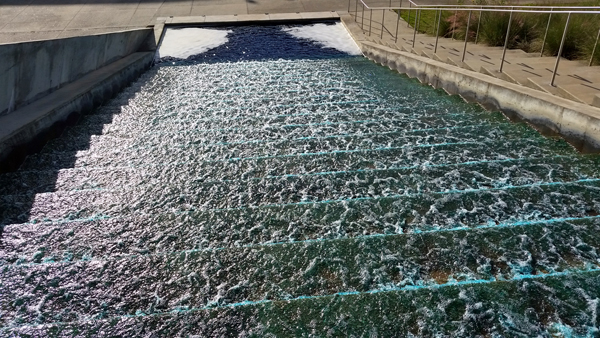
{"x":555,"y":33}
{"x":428,"y":22}
{"x":457,"y":24}
{"x":523,"y":29}
{"x":493,"y":26}
{"x":580,"y":39}
{"x":588,"y":47}
{"x":526,"y":32}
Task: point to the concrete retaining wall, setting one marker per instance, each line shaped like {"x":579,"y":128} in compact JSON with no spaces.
{"x":31,"y":70}
{"x":28,"y":128}
{"x":578,"y":123}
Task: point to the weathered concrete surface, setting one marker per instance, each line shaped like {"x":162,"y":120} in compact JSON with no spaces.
{"x":576,"y":122}
{"x":31,"y":70}
{"x":248,"y":18}
{"x":33,"y":123}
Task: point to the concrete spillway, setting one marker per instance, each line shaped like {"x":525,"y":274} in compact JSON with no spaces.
{"x":313,"y":192}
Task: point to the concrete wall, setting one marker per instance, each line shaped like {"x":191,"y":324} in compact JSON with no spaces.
{"x":578,"y":123}
{"x":31,"y":70}
{"x":28,"y":128}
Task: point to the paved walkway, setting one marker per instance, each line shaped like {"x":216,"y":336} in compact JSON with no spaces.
{"x":574,"y":80}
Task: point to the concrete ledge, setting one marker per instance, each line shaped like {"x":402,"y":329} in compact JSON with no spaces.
{"x":249,"y":18}
{"x":32,"y":70}
{"x":578,"y":123}
{"x":26,"y":125}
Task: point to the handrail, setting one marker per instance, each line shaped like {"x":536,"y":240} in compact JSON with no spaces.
{"x":479,"y":9}
{"x":482,"y":8}
{"x":500,"y":6}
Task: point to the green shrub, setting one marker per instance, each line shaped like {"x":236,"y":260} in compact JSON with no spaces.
{"x":527,"y":29}
{"x":588,"y":47}
{"x":580,"y":38}
{"x":523,"y":30}
{"x":428,"y":22}
{"x":577,"y":36}
{"x":493,"y":26}
{"x":457,"y":24}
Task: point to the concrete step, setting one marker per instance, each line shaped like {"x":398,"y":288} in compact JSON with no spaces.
{"x":299,"y":269}
{"x":33,"y":182}
{"x":413,"y":209}
{"x":581,"y":92}
{"x":57,"y":161}
{"x":415,"y":309}
{"x":456,"y":50}
{"x":108,"y":236}
{"x":493,"y":71}
{"x":476,"y":64}
{"x":80,"y":139}
{"x":541,"y":85}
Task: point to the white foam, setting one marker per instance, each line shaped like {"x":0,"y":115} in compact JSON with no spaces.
{"x":185,"y":42}
{"x":333,"y":36}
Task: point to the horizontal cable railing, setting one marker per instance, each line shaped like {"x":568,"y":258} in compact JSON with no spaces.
{"x":511,"y":9}
{"x":412,"y":3}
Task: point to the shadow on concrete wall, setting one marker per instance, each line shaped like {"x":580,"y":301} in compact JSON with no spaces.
{"x":29,"y":164}
{"x":40,"y":171}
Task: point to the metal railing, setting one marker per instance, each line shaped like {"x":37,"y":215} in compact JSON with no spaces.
{"x":504,"y":6}
{"x":550,"y":10}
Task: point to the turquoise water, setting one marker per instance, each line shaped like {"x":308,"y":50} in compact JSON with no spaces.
{"x":304,"y":196}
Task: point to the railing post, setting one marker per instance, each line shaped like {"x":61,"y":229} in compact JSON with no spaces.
{"x":478,"y":25}
{"x":419,"y":20}
{"x":546,"y":33}
{"x":506,"y":40}
{"x":355,"y":9}
{"x":382,"y":20}
{"x":349,"y":6}
{"x":408,"y":20}
{"x":415,"y":31}
{"x":454,"y":24}
{"x":437,"y":34}
{"x":370,"y":20}
{"x":362,"y":18}
{"x":594,"y":50}
{"x":466,"y":36}
{"x":434,"y":22}
{"x":562,"y":43}
{"x":398,"y":23}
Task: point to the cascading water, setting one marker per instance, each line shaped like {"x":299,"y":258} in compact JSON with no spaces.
{"x":265,"y":181}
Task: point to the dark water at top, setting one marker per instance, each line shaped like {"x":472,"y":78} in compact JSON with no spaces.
{"x":294,"y":190}
{"x":252,"y":43}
